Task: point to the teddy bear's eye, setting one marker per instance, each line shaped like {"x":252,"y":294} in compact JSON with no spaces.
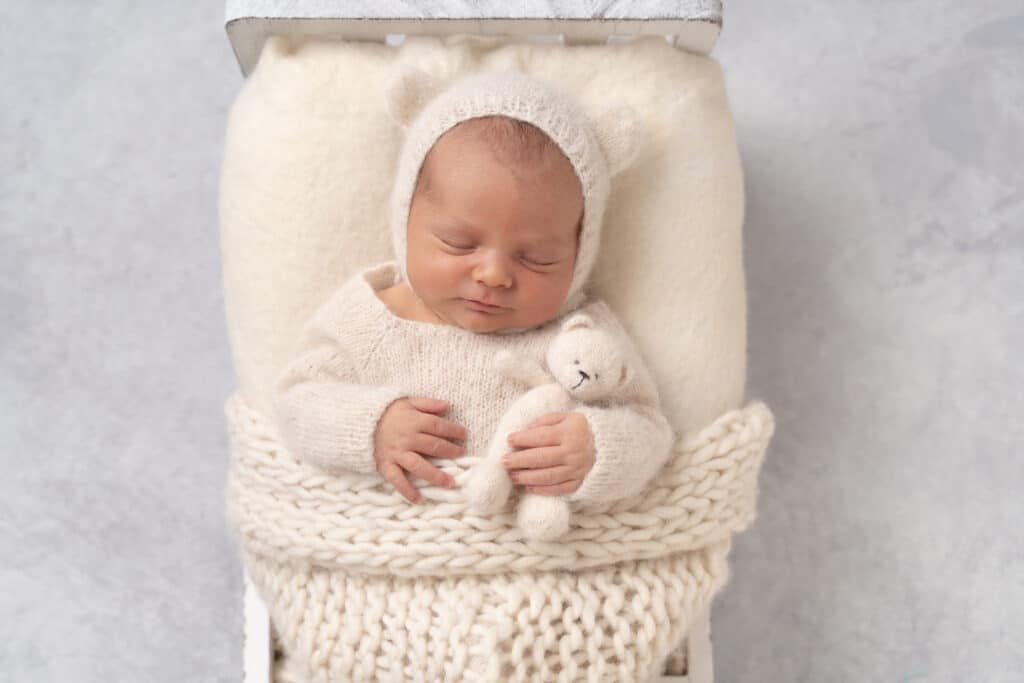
{"x":576,"y":362}
{"x":596,"y":375}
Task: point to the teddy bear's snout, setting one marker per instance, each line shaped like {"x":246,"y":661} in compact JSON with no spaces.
{"x":584,"y":378}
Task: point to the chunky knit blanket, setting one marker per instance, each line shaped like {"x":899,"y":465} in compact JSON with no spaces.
{"x":363,"y":586}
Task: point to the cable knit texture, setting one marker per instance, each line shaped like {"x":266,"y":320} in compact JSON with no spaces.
{"x":361,"y":586}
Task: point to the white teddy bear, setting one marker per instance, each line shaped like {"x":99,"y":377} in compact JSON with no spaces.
{"x":584,"y":364}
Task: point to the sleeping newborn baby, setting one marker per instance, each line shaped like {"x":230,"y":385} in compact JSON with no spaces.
{"x":496,"y":215}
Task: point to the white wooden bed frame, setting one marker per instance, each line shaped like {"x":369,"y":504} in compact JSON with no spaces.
{"x":692,"y":25}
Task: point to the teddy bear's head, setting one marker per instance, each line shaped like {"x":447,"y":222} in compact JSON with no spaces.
{"x":587,"y":361}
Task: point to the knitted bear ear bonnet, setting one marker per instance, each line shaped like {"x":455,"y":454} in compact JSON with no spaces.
{"x":597,"y":149}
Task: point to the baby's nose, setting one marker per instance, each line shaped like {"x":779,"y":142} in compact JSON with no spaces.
{"x":493,"y":273}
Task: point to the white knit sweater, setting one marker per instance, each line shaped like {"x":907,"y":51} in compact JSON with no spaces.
{"x":355,"y":357}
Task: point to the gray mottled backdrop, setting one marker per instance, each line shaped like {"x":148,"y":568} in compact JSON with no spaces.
{"x":884,"y":149}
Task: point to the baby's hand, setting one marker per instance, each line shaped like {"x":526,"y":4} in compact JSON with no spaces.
{"x":558,"y":452}
{"x":409,"y":429}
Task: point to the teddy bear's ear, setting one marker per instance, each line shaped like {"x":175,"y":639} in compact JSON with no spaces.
{"x":577,"y":320}
{"x":409,"y":92}
{"x":618,"y":131}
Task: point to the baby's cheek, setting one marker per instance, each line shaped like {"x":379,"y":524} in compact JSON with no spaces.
{"x":548,"y":294}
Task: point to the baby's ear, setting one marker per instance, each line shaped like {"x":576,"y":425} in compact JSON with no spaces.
{"x":409,"y":92}
{"x":577,"y":320}
{"x":618,"y":131}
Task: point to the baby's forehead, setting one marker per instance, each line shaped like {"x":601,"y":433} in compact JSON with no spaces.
{"x":446,"y":168}
{"x":509,"y":139}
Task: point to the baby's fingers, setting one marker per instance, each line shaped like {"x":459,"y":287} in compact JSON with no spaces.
{"x":547,"y":476}
{"x":429,"y":405}
{"x":534,"y":458}
{"x":439,"y":426}
{"x":393,"y":473}
{"x":436,"y":447}
{"x":536,"y":437}
{"x":415,"y":463}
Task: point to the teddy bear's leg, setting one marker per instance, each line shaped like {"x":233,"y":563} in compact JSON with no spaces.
{"x":488,"y":485}
{"x":543,"y":518}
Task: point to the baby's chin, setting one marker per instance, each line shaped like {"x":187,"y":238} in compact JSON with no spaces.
{"x":478,"y":321}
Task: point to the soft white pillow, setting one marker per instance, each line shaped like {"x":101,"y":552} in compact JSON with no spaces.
{"x":308,"y":165}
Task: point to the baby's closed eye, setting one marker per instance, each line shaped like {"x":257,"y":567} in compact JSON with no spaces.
{"x":533,"y":259}
{"x":456,"y":246}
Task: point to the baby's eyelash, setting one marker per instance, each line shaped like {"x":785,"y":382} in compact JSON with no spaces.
{"x":455,"y":246}
{"x":536,"y":263}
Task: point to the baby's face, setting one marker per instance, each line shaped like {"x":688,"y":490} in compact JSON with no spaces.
{"x":495,"y":233}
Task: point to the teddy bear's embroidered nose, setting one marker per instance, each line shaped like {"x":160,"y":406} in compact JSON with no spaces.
{"x":585,"y":378}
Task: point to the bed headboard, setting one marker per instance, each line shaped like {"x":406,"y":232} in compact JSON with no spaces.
{"x":692,"y":25}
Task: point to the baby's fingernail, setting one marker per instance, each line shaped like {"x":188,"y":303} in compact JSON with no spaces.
{"x":504,"y":461}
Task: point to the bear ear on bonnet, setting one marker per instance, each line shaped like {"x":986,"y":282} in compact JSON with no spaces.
{"x":409,"y":91}
{"x":618,"y":130}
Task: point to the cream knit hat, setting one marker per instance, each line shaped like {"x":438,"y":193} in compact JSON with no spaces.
{"x":597,"y":149}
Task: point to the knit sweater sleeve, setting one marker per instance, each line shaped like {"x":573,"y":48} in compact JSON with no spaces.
{"x":631,"y":443}
{"x":632,"y":440}
{"x":325,"y":415}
